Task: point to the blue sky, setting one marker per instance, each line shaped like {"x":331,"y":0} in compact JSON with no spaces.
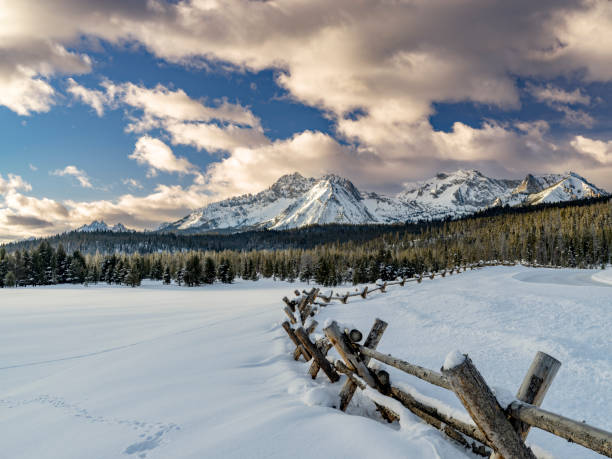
{"x":140,"y":112}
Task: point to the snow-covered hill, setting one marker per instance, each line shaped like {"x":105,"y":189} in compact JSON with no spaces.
{"x":295,"y":201}
{"x":100,"y":225}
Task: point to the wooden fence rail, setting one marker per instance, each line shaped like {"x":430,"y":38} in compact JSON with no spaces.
{"x":497,"y":431}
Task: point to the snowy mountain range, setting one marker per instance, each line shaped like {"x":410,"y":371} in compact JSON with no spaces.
{"x":295,"y":201}
{"x":96,"y":226}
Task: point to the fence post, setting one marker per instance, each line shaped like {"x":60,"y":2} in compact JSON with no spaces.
{"x":374,"y":337}
{"x":476,"y":396}
{"x":324,"y":345}
{"x":538,"y":379}
{"x":299,"y":349}
{"x":327,"y":368}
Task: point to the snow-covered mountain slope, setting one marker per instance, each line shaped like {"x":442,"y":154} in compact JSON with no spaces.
{"x":246,"y":211}
{"x":100,"y":225}
{"x":550,"y":189}
{"x":295,"y":201}
{"x":461,"y":193}
{"x":569,"y":188}
{"x":332,"y":199}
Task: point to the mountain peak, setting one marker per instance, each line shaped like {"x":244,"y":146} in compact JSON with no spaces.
{"x":100,"y":225}
{"x":291,"y":185}
{"x":294,"y":201}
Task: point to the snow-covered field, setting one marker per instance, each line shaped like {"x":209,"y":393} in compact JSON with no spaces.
{"x":166,"y":372}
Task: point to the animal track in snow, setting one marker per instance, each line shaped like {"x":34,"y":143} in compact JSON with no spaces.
{"x":151,"y":435}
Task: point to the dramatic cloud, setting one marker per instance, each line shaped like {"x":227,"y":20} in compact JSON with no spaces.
{"x":75,"y":172}
{"x":219,"y":127}
{"x":375,"y":67}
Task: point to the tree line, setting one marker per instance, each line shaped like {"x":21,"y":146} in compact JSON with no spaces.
{"x":568,"y":235}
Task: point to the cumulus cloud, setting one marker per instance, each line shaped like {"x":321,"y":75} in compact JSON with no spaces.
{"x":599,"y":150}
{"x":25,"y":216}
{"x":95,"y":98}
{"x":12,"y":184}
{"x":325,"y":56}
{"x":75,"y":172}
{"x":159,"y":157}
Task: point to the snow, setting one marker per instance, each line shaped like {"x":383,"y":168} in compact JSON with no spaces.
{"x":100,"y":225}
{"x":162,"y":371}
{"x":453,"y":359}
{"x":604,"y":276}
{"x":294,"y":201}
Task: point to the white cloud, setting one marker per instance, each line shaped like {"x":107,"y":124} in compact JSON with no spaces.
{"x":159,"y":157}
{"x":392,"y":60}
{"x":132,"y":183}
{"x":560,"y":100}
{"x":551,"y":94}
{"x":599,"y":150}
{"x":32,"y":167}
{"x":95,"y":98}
{"x":75,"y":172}
{"x":14,"y":183}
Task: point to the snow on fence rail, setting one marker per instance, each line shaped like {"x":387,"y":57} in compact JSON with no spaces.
{"x":497,"y":431}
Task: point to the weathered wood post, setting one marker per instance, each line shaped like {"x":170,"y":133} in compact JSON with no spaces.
{"x":324,"y":364}
{"x":477,"y":398}
{"x":290,"y":304}
{"x":538,"y":379}
{"x":364,"y":293}
{"x":371,"y":342}
{"x":290,"y":314}
{"x":299,"y":348}
{"x":324,"y":345}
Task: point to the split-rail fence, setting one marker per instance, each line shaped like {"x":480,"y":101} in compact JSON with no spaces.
{"x":497,"y":432}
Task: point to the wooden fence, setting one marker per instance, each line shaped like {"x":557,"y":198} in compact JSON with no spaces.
{"x":497,"y":432}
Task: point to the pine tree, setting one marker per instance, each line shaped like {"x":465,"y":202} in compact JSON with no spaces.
{"x":193,"y":271}
{"x":210,"y":271}
{"x":10,"y":280}
{"x":167,"y":277}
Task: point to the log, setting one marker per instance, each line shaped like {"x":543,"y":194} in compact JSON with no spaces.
{"x":290,"y":304}
{"x":290,"y":314}
{"x":347,"y":352}
{"x":355,"y":335}
{"x":437,"y":418}
{"x":425,"y":374}
{"x":312,"y":327}
{"x":583,"y":434}
{"x":538,"y":379}
{"x":324,"y":364}
{"x":324,"y":345}
{"x":429,"y":414}
{"x":374,"y":337}
{"x":297,"y":343}
{"x":388,"y":414}
{"x":477,"y":398}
